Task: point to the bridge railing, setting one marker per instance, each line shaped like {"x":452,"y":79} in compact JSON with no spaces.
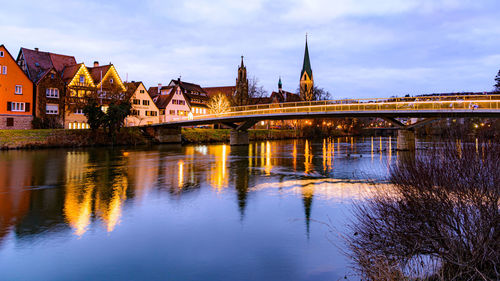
{"x":471,"y":102}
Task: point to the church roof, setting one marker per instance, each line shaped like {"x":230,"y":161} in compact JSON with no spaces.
{"x":306,"y":67}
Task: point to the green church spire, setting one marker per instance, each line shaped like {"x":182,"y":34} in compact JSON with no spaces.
{"x":306,"y":67}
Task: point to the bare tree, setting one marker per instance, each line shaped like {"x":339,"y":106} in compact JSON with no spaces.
{"x":219,"y":104}
{"x":440,"y":221}
{"x":255,"y":94}
{"x":497,"y":84}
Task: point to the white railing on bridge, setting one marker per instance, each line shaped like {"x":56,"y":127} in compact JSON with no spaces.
{"x":445,"y":103}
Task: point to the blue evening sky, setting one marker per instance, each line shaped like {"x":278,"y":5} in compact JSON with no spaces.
{"x":358,"y":48}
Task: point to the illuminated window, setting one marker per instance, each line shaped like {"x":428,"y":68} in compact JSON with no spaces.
{"x":19,"y":90}
{"x":52,"y":109}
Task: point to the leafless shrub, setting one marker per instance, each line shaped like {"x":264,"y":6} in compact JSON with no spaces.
{"x":441,"y":221}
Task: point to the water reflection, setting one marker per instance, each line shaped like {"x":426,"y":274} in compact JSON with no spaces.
{"x":63,"y":189}
{"x":116,"y":195}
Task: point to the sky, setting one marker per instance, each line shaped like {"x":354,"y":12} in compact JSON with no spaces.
{"x":358,"y":48}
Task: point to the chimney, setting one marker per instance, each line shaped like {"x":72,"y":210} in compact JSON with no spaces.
{"x":36,"y":49}
{"x":159,"y":87}
{"x":96,"y":63}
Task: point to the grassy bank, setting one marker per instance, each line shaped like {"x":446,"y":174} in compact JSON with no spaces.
{"x":19,"y":139}
{"x":45,"y":138}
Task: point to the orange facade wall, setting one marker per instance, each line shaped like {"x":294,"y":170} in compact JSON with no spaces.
{"x":8,"y":82}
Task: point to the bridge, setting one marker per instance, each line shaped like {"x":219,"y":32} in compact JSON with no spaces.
{"x":426,"y":108}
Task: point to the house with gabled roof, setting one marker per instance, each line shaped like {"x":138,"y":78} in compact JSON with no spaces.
{"x":196,"y":96}
{"x":44,"y":70}
{"x":172,"y":103}
{"x":144,"y":110}
{"x":16,"y":94}
{"x":79,"y":84}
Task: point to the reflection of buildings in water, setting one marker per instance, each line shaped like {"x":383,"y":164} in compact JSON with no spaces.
{"x":78,"y":198}
{"x":143,"y":171}
{"x":108,"y":207}
{"x":93,"y":190}
{"x":307,"y":199}
{"x":14,"y":202}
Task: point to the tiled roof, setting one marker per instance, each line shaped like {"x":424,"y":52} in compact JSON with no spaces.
{"x":98,"y":72}
{"x":228,"y":91}
{"x":190,"y":87}
{"x":70,"y":71}
{"x":162,"y":101}
{"x":38,"y":63}
{"x":153,"y":92}
{"x":132,"y":86}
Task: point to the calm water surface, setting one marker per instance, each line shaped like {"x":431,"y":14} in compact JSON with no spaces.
{"x":197,"y":212}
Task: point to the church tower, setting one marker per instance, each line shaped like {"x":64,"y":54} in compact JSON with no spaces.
{"x":241,"y":94}
{"x":306,"y":78}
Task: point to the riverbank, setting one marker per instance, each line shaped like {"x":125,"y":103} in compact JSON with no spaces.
{"x":47,"y":138}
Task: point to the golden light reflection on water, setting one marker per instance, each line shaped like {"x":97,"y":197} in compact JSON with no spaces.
{"x":268,"y":167}
{"x":98,"y":193}
{"x":88,"y":192}
{"x":218,"y":171}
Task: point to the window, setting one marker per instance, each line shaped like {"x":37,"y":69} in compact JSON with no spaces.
{"x":172,"y":112}
{"x":19,"y":90}
{"x":52,"y":93}
{"x":52,"y":76}
{"x":135,"y":112}
{"x":145,"y":102}
{"x":4,"y":69}
{"x":82,"y":79}
{"x":136,"y":101}
{"x":10,"y":122}
{"x":52,"y":109}
{"x":111,"y":80}
{"x":141,"y":91}
{"x":79,"y":111}
{"x":151,"y":113}
{"x":16,"y":106}
{"x":1,"y":54}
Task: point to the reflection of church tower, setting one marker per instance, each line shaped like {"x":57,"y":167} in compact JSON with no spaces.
{"x":306,"y":78}
{"x":307,"y":198}
{"x":241,"y":95}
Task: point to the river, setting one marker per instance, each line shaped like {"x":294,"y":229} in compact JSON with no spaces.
{"x":268,"y":211}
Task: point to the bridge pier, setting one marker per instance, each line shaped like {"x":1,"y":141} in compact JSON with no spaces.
{"x":406,"y":140}
{"x":165,"y":135}
{"x":238,"y":137}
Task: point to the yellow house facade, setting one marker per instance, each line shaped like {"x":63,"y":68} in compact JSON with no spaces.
{"x":101,"y":81}
{"x":144,"y":110}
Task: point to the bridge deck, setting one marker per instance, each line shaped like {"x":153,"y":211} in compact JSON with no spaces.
{"x":432,"y":106}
